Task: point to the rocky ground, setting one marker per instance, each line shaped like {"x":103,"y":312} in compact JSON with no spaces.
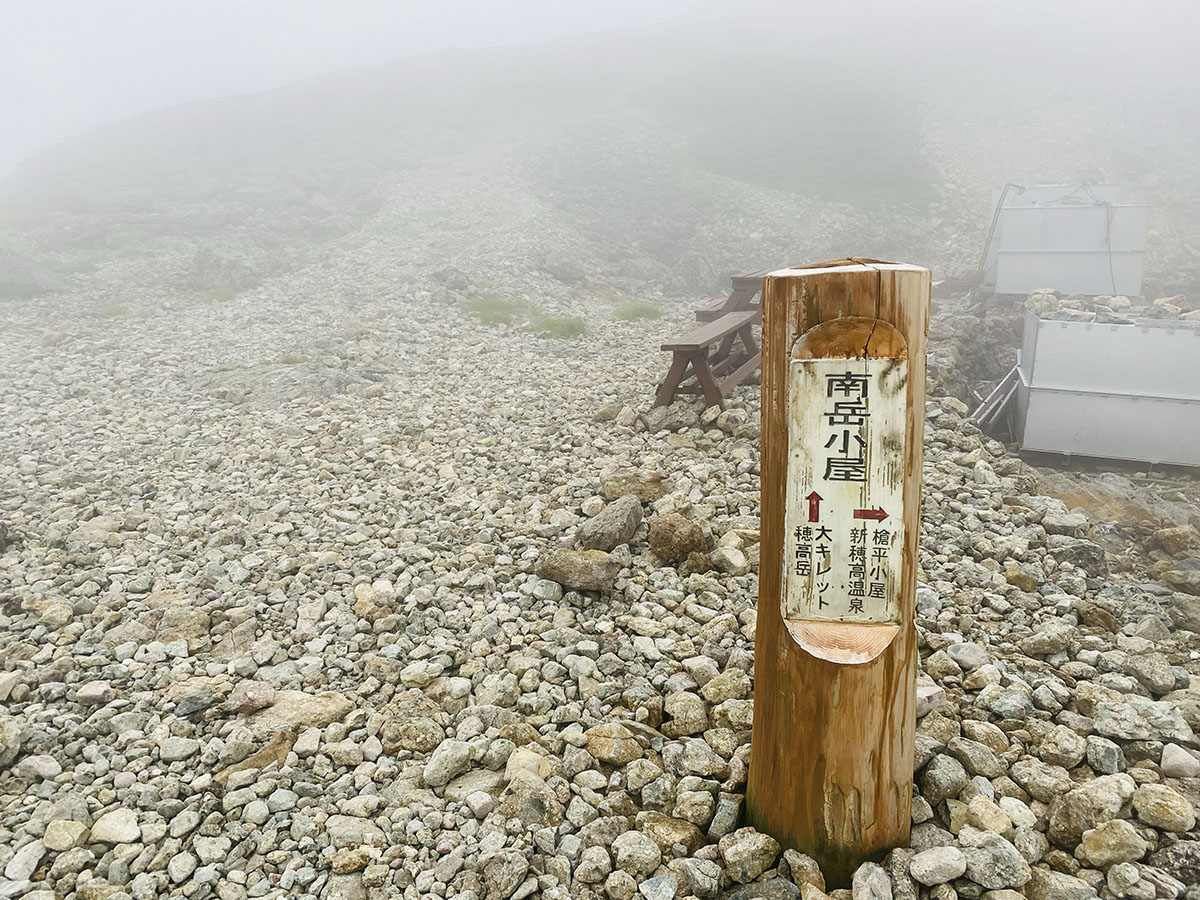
{"x":328,"y":588}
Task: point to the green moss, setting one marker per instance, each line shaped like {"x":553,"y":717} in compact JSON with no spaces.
{"x":637,"y":309}
{"x":495,"y":309}
{"x":559,"y":326}
{"x":215,"y":295}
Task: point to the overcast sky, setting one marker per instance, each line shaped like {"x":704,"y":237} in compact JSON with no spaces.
{"x":68,"y":65}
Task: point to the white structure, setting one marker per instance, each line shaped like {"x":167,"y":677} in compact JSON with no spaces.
{"x":1075,"y":238}
{"x":1111,"y":391}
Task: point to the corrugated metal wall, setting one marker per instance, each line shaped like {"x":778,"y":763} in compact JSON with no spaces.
{"x":1113,"y":391}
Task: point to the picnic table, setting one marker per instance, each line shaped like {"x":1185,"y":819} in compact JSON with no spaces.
{"x":720,"y":354}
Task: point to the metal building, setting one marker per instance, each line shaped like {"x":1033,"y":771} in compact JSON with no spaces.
{"x":1076,"y":238}
{"x":1111,"y":391}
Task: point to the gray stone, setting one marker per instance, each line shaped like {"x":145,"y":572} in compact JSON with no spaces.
{"x":1086,"y":806}
{"x":95,"y":693}
{"x":870,"y":882}
{"x":41,"y":766}
{"x":730,"y":560}
{"x":614,"y":525}
{"x":1178,"y":763}
{"x":726,"y":815}
{"x":944,"y":777}
{"x":1046,"y":884}
{"x":938,"y":865}
{"x":747,"y":853}
{"x":181,"y":867}
{"x":594,"y":865}
{"x":1104,"y":756}
{"x":661,"y":887}
{"x":803,"y":869}
{"x":529,"y":799}
{"x":977,"y":758}
{"x":1163,"y":807}
{"x":503,"y":871}
{"x":119,"y":826}
{"x":992,"y":862}
{"x":25,"y":861}
{"x":702,"y":876}
{"x":580,"y":570}
{"x":1063,"y":747}
{"x":1112,"y":842}
{"x":635,"y":853}
{"x":1048,"y":639}
{"x":768,"y":889}
{"x":449,"y":760}
{"x":174,"y":749}
{"x":968,"y":656}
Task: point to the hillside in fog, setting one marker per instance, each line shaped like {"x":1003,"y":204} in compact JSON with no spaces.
{"x":690,"y":153}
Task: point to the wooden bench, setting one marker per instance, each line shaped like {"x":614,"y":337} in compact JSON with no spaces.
{"x":746,"y":288}
{"x":706,"y":354}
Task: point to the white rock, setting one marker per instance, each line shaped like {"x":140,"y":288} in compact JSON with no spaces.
{"x":1178,"y":763}
{"x":119,"y":826}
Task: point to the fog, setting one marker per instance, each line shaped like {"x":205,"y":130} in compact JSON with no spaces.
{"x":69,"y":66}
{"x":432,"y":465}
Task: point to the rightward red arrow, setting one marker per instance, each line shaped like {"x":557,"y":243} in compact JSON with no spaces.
{"x":877,"y":514}
{"x":814,"y":506}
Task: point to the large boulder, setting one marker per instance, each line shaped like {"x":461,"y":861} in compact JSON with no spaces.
{"x":612,"y":526}
{"x":580,"y":570}
{"x":295,"y":710}
{"x":1081,"y":553}
{"x":674,"y":537}
{"x":1087,"y":806}
{"x":1185,"y":577}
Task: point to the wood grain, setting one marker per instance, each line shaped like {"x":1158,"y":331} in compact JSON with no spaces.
{"x":832,"y":752}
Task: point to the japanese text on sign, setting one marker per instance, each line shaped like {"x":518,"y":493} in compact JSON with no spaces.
{"x":844,"y":513}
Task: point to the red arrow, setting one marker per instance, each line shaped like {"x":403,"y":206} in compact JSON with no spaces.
{"x":814,"y":506}
{"x":877,"y":514}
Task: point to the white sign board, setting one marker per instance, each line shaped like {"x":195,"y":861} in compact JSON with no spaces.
{"x":844,"y":520}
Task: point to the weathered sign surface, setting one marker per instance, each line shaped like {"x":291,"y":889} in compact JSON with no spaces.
{"x":844,"y":524}
{"x":835,"y":657}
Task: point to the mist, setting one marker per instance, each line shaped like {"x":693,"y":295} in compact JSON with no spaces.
{"x":421,"y":471}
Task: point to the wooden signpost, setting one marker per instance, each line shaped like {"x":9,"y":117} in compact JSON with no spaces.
{"x":843,"y":402}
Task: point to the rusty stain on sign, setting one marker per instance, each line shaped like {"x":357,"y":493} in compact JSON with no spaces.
{"x":844,"y":518}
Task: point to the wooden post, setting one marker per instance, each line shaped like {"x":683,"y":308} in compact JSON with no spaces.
{"x":843,"y":411}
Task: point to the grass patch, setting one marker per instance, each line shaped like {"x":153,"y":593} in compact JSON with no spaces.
{"x":215,"y":295}
{"x":559,"y":326}
{"x":495,"y":309}
{"x":637,"y":309}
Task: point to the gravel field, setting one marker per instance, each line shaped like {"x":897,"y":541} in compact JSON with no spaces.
{"x":327,"y":585}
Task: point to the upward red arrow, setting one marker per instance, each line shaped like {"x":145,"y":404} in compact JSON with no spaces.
{"x":877,"y":514}
{"x":814,"y":506}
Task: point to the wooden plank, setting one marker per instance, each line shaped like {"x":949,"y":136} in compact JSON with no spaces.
{"x":712,"y":310}
{"x":699,"y":338}
{"x":748,"y":368}
{"x":745,"y":289}
{"x":750,"y":279}
{"x":832,"y":751}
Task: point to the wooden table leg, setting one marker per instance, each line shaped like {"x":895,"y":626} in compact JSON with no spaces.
{"x":704,"y":375}
{"x":675,"y":375}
